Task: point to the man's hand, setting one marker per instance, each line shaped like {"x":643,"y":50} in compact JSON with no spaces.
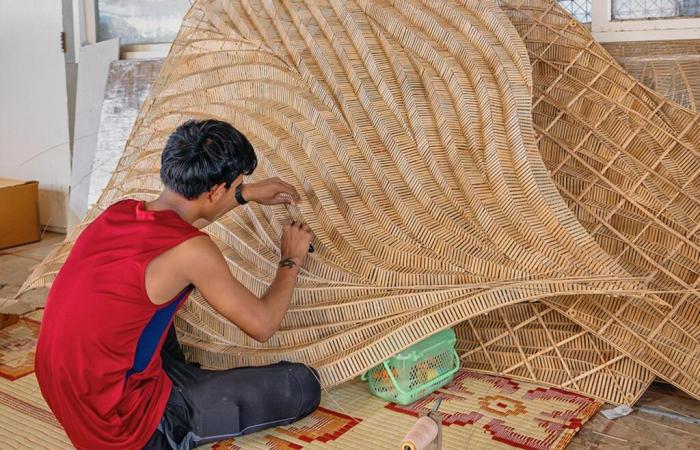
{"x":294,"y":247}
{"x":271,"y":191}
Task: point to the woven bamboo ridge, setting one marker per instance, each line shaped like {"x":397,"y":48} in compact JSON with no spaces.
{"x":409,"y":128}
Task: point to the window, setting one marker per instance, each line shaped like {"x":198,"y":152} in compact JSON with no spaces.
{"x":580,"y":9}
{"x":648,"y":9}
{"x":140,"y":21}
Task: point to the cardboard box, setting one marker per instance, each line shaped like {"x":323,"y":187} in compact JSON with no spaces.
{"x":8,"y":319}
{"x":19,"y":212}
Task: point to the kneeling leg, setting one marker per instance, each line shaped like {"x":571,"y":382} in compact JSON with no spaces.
{"x":239,"y":401}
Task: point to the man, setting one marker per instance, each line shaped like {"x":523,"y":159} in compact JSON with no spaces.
{"x":107,"y":360}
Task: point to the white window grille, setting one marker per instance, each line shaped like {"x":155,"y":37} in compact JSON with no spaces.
{"x":580,"y":9}
{"x":651,"y":9}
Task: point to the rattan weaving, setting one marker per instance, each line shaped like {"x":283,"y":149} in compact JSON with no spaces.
{"x":626,"y":161}
{"x":671,"y":68}
{"x":455,"y":157}
{"x":533,"y":342}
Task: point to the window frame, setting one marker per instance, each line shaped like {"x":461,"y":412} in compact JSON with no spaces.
{"x":126,"y":51}
{"x":607,"y":29}
{"x":602,"y":25}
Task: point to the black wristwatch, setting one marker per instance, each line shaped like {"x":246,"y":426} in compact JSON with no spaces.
{"x":239,"y":195}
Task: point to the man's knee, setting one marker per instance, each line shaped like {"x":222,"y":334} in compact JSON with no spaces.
{"x":310,"y":388}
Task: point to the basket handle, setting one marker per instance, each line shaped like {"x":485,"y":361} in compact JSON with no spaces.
{"x":393,"y":379}
{"x":442,"y":377}
{"x":364,"y":376}
{"x":457,"y":363}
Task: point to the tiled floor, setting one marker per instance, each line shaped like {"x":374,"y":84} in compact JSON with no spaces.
{"x":652,"y":429}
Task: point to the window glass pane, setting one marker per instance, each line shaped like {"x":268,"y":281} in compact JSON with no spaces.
{"x":690,"y":8}
{"x":580,"y":9}
{"x":140,"y":21}
{"x":646,"y":9}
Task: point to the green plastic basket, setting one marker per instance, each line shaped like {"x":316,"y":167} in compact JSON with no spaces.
{"x":417,"y":371}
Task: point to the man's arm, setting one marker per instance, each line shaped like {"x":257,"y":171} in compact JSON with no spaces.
{"x":205,"y":267}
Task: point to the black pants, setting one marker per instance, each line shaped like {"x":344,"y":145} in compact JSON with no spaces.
{"x":211,"y":405}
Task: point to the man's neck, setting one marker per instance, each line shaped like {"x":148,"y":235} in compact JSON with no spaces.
{"x":169,"y":200}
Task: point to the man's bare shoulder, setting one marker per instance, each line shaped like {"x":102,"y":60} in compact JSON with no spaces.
{"x":198,"y":257}
{"x":197,"y":248}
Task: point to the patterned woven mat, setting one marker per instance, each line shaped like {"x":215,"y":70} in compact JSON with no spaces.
{"x":479,"y":411}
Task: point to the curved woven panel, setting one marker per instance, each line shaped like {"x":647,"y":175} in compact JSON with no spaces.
{"x":408,"y":127}
{"x":534,"y":342}
{"x":626,"y":161}
{"x":437,"y":147}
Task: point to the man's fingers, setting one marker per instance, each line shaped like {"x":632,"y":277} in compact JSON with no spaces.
{"x":292,"y":191}
{"x":303,"y":226}
{"x":307,"y":228}
{"x":286,"y":197}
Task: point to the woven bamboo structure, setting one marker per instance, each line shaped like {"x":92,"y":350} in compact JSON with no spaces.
{"x":671,"y":68}
{"x":533,"y":342}
{"x":626,"y":161}
{"x":457,"y":158}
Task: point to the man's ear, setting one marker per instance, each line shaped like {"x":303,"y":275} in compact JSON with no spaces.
{"x":216,"y":192}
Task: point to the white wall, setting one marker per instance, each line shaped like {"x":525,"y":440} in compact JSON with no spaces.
{"x":92,"y":79}
{"x":33,"y":103}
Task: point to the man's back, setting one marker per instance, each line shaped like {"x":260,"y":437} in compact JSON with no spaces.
{"x":98,"y":361}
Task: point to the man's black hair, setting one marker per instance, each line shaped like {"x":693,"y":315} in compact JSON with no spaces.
{"x":203,"y":153}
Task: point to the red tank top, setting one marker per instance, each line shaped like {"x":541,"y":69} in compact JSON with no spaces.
{"x":98,"y":356}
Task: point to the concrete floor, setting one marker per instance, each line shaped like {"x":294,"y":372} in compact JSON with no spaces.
{"x":16,"y":264}
{"x":640,"y":430}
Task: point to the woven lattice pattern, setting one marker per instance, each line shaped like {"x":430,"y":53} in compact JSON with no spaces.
{"x":533,"y":342}
{"x":670,"y":68}
{"x":626,"y":161}
{"x":455,"y":158}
